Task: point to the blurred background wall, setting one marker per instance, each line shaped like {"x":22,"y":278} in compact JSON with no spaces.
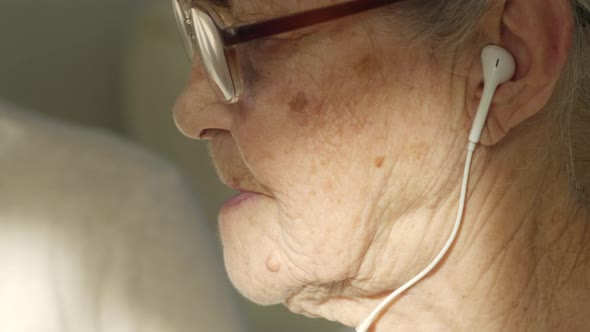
{"x":116,"y":65}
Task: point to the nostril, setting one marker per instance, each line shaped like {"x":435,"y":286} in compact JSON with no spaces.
{"x":197,"y":118}
{"x":208,"y":133}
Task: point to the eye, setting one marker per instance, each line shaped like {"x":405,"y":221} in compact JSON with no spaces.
{"x":583,"y":15}
{"x":221,"y":3}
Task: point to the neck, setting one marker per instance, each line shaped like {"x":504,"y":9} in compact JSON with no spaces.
{"x":521,"y":260}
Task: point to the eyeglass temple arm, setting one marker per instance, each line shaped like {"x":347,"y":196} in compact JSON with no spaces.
{"x":247,"y":32}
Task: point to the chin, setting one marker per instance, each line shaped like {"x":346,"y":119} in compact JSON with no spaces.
{"x":253,"y":285}
{"x":250,"y":234}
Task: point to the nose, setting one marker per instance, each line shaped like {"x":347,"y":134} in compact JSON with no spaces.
{"x":198,"y":112}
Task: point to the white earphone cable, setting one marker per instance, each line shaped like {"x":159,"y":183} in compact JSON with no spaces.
{"x":366,"y":324}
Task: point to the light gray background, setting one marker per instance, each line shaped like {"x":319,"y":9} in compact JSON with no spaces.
{"x":116,"y":65}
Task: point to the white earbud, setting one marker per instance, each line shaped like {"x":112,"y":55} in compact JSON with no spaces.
{"x":498,"y":68}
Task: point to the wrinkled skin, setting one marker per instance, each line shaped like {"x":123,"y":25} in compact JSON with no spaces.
{"x":355,"y":140}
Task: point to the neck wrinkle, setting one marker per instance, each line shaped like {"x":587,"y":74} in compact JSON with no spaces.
{"x":520,"y":261}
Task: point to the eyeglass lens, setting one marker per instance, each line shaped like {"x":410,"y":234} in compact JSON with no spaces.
{"x":199,"y":32}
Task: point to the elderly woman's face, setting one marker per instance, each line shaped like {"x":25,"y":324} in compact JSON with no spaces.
{"x":332,"y":129}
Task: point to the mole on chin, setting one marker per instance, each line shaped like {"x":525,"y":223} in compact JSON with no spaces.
{"x":273,"y":264}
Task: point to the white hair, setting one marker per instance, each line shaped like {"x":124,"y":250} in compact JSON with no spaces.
{"x":450,"y":25}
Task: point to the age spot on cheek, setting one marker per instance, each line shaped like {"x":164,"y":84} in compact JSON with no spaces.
{"x":379,"y":161}
{"x":300,"y":111}
{"x":421,"y":150}
{"x":366,"y":65}
{"x":299,"y":103}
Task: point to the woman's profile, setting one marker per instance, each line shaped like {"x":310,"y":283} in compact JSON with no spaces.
{"x":344,"y":125}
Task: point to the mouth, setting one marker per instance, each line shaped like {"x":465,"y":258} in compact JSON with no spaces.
{"x":232,"y":169}
{"x":235,"y":184}
{"x":239,"y":199}
{"x":246,"y":193}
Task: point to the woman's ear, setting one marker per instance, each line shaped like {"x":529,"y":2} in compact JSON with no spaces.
{"x":539,"y":34}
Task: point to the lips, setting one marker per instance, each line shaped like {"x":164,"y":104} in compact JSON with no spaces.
{"x":231,"y":168}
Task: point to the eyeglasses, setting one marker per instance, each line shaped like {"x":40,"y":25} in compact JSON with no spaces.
{"x":205,"y":30}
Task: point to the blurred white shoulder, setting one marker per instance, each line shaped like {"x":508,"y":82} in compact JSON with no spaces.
{"x":97,"y":234}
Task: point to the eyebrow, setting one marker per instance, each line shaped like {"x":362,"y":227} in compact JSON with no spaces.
{"x":246,"y":32}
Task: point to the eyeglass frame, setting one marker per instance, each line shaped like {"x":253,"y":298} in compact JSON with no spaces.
{"x":233,"y":35}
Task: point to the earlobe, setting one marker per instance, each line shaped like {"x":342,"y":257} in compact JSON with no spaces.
{"x":538,"y":34}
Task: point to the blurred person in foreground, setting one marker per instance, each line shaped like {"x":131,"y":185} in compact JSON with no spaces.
{"x":347,"y":140}
{"x":98,"y":235}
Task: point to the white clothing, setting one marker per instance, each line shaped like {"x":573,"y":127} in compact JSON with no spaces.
{"x":96,"y":235}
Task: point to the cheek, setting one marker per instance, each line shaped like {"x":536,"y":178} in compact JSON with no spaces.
{"x":300,"y":111}
{"x":311,"y":131}
{"x":294,"y":138}
{"x":315,"y":157}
